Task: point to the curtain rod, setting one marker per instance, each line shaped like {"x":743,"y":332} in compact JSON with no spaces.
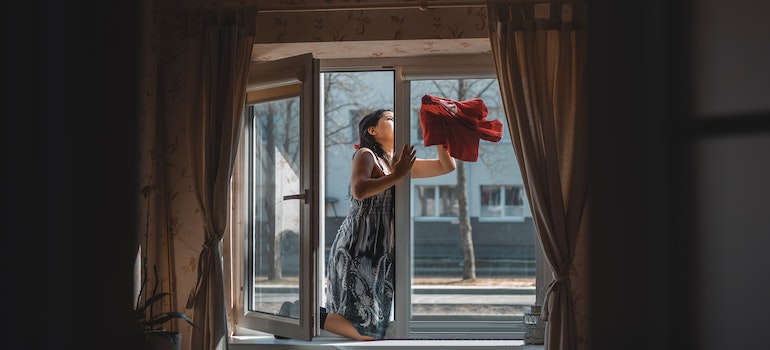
{"x":378,"y":5}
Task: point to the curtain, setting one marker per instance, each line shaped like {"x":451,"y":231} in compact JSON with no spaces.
{"x":539,"y":53}
{"x":220,"y":47}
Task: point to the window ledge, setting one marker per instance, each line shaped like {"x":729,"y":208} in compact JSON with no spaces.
{"x":323,"y":343}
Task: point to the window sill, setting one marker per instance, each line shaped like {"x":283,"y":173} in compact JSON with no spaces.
{"x":333,"y":342}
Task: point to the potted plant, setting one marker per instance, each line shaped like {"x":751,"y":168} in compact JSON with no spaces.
{"x":152,"y":321}
{"x":150,"y":316}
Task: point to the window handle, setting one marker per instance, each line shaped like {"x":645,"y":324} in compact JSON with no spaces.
{"x":302,"y":196}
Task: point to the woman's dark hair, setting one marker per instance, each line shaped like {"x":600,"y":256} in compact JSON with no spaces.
{"x":367,"y":140}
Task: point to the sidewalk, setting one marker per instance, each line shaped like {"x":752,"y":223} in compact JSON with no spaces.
{"x":473,"y":295}
{"x":437,"y":299}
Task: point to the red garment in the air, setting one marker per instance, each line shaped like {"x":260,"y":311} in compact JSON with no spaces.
{"x":459,"y":125}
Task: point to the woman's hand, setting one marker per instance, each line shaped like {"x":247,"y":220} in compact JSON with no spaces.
{"x":403,"y":164}
{"x":366,"y":179}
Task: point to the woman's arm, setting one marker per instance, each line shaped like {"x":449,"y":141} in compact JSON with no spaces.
{"x":434,"y":167}
{"x":362,"y":182}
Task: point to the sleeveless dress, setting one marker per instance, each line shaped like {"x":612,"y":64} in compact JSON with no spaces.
{"x":360,"y":266}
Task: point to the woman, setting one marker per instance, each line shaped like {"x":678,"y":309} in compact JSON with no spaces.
{"x":360,"y":267}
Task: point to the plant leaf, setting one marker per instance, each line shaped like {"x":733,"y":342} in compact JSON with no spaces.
{"x":168,"y":316}
{"x":153,"y":299}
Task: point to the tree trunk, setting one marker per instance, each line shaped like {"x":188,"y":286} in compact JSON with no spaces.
{"x":466,"y":233}
{"x":268,"y":159}
{"x":466,"y":236}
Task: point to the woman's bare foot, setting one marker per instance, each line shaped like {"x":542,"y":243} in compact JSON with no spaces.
{"x":338,"y":324}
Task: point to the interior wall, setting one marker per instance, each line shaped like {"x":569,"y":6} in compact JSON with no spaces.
{"x":154,"y":187}
{"x":731,"y":168}
{"x":365,"y":25}
{"x":181,"y":232}
{"x":69,"y":165}
{"x":681,"y":128}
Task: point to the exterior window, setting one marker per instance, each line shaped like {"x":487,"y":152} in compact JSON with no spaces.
{"x":502,"y":201}
{"x":436,"y":201}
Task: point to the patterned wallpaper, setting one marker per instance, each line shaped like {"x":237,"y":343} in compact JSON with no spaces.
{"x":406,"y":24}
{"x":169,"y":217}
{"x":369,"y":33}
{"x":361,"y":33}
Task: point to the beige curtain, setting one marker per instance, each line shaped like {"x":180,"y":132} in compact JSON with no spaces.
{"x":539,"y":52}
{"x":221,"y":42}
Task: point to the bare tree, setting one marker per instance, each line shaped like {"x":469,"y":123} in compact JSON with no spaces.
{"x":466,"y":231}
{"x":265,"y":115}
{"x":464,"y":89}
{"x":343,"y":93}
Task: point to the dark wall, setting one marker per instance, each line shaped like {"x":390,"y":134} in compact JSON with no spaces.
{"x":69,"y":166}
{"x":638,"y":251}
{"x":658,"y":280}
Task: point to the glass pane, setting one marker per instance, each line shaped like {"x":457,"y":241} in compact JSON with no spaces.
{"x":490,"y":201}
{"x":513,"y":201}
{"x":504,"y":248}
{"x":426,"y":200}
{"x":275,"y":240}
{"x":448,"y":198}
{"x":347,"y":97}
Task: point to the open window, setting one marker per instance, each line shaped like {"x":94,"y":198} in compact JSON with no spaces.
{"x":279,"y":197}
{"x":431,"y":299}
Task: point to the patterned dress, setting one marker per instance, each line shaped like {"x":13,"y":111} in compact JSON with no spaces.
{"x":360,"y":266}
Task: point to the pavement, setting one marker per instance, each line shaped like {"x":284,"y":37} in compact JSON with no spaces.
{"x":434,"y":300}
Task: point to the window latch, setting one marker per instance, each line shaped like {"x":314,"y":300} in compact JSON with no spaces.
{"x":302,"y":196}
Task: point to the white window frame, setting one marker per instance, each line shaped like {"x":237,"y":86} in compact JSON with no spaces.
{"x":266,"y":80}
{"x":446,"y":67}
{"x":405,"y":69}
{"x":505,"y":216}
{"x":437,"y":199}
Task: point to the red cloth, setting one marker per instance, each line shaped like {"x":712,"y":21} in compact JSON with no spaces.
{"x":459,"y":125}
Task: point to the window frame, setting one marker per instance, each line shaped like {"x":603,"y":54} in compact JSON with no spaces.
{"x":406,"y":69}
{"x":505,"y":218}
{"x":456,"y":327}
{"x":437,"y":198}
{"x":269,"y":81}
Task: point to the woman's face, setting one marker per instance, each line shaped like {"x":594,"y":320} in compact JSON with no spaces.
{"x":384,"y":130}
